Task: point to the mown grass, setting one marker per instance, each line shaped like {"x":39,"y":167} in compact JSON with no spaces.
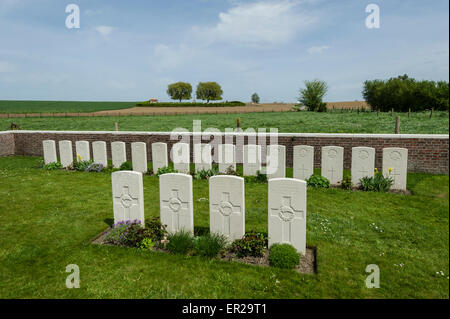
{"x":48,"y":218}
{"x":296,"y":122}
{"x":7,"y":106}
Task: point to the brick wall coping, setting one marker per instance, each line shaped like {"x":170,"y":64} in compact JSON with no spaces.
{"x":343,"y":135}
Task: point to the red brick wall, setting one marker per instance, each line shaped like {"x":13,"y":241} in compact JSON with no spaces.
{"x":428,"y":155}
{"x":6,"y":143}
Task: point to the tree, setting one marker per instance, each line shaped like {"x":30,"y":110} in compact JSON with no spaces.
{"x":209,"y":91}
{"x":255,"y":98}
{"x":179,"y":91}
{"x":311,"y":96}
{"x":403,"y":93}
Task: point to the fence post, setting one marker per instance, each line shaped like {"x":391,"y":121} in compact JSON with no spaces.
{"x":116,"y":126}
{"x":397,"y":125}
{"x":392,"y":112}
{"x":431,"y":113}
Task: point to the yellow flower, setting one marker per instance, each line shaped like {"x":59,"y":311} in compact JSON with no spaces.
{"x":390,"y":169}
{"x":79,"y":157}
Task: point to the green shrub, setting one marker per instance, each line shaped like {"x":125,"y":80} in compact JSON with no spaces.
{"x":53,"y":166}
{"x":95,"y":167}
{"x":165,"y":170}
{"x":318,"y":181}
{"x":81,"y":166}
{"x":283,"y":256}
{"x":347,"y":182}
{"x":209,"y":245}
{"x":376,"y":183}
{"x":155,"y":229}
{"x":126,"y":166}
{"x":146,"y":244}
{"x":231,"y":171}
{"x":259,"y":178}
{"x":252,"y":244}
{"x":115,"y":233}
{"x":180,"y":243}
{"x":205,"y":174}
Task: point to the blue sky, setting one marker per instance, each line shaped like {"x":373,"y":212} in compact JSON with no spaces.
{"x":131,"y":50}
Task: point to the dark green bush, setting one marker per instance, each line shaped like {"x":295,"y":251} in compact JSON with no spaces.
{"x":126,"y":166}
{"x":252,"y":244}
{"x":156,"y":230}
{"x":209,"y":245}
{"x":259,"y":178}
{"x":180,"y":243}
{"x":376,"y":183}
{"x":127,"y":233}
{"x":318,"y":181}
{"x":283,"y":256}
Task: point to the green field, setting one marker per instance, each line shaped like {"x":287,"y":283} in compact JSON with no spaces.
{"x":60,"y":106}
{"x":297,"y":122}
{"x":48,"y":218}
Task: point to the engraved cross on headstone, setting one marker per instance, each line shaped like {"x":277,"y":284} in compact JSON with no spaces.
{"x":286,"y":213}
{"x":126,"y":201}
{"x":176,"y":206}
{"x":226,"y":209}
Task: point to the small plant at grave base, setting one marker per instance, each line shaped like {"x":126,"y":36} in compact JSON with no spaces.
{"x":376,"y":183}
{"x":53,"y":166}
{"x":115,"y":234}
{"x":180,"y":243}
{"x":165,"y":170}
{"x":231,"y":171}
{"x":209,"y":245}
{"x":259,"y":178}
{"x":146,"y":244}
{"x":252,"y":244}
{"x":156,"y":230}
{"x":95,"y":167}
{"x":283,"y":256}
{"x":126,"y":166}
{"x":318,"y":181}
{"x":347,"y":182}
{"x":81,"y":166}
{"x":206,"y":174}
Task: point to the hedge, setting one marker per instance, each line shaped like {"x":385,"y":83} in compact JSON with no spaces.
{"x":199,"y":104}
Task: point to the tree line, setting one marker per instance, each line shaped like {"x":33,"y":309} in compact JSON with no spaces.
{"x":209,"y":91}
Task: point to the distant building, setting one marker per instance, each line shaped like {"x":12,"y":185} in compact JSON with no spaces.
{"x":153,"y":100}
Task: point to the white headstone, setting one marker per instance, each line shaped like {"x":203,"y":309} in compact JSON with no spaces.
{"x":49,"y":147}
{"x":181,"y":157}
{"x":176,"y":202}
{"x":202,"y":157}
{"x":118,"y":154}
{"x":227,"y":206}
{"x":303,"y":162}
{"x":227,"y":157}
{"x":333,"y":164}
{"x":65,"y":153}
{"x":139,"y":157}
{"x":159,"y":156}
{"x":276,"y":161}
{"x":82,"y":150}
{"x":128,"y":196}
{"x":363,"y":163}
{"x":99,"y":153}
{"x":287,"y":212}
{"x":395,"y":165}
{"x":252,"y":159}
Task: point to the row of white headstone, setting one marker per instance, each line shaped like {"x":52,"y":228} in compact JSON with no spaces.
{"x":395,"y":160}
{"x":286,"y":205}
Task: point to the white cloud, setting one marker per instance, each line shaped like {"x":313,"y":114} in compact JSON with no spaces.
{"x":259,"y":23}
{"x":104,"y":30}
{"x":318,"y":49}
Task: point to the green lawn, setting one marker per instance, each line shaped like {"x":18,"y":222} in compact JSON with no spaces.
{"x":298,"y":122}
{"x":47,"y":219}
{"x":60,"y":106}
